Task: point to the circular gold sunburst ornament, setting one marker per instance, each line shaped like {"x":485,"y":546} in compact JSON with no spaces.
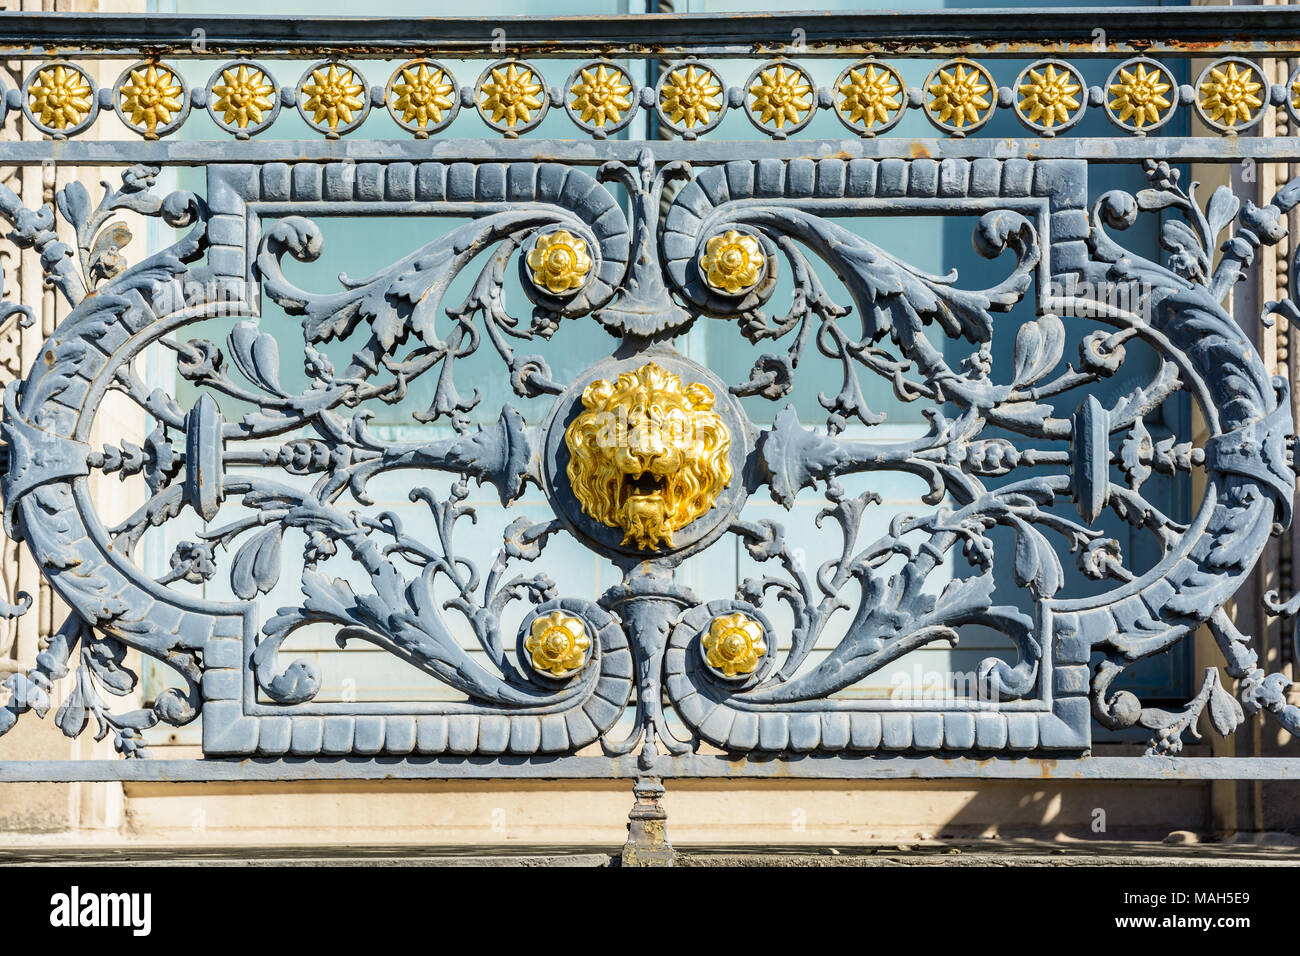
{"x":557,"y":644}
{"x":732,"y":262}
{"x":1140,"y":95}
{"x":734,"y":645}
{"x":60,"y":99}
{"x":332,"y":97}
{"x":869,"y":97}
{"x":691,"y":98}
{"x":512,"y":97}
{"x":242,"y":98}
{"x":600,"y":97}
{"x":961,"y":96}
{"x":559,"y":262}
{"x":1293,"y":96}
{"x":1050,"y":96}
{"x":151,"y":99}
{"x":1230,"y":95}
{"x":422,"y":96}
{"x":780,"y":97}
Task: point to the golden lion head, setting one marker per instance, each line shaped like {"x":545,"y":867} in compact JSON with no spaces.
{"x":647,"y":455}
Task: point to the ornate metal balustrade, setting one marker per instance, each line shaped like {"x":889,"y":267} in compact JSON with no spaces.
{"x":648,"y":458}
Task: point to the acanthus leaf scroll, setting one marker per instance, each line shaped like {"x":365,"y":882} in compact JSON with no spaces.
{"x":1032,"y":456}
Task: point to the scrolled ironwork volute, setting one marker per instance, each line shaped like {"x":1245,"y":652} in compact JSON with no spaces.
{"x":1039,"y":517}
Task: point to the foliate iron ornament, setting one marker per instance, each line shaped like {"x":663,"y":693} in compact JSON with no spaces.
{"x":647,"y":457}
{"x":735,"y":645}
{"x":648,"y":454}
{"x":558,"y":644}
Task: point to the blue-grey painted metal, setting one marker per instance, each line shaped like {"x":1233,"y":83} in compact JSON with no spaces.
{"x":689,"y":766}
{"x":1195,"y":149}
{"x":930,"y":577}
{"x":1008,"y":31}
{"x":1237,"y":125}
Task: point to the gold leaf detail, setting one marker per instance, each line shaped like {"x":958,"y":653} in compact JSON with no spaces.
{"x":690,"y":96}
{"x":1049,"y":97}
{"x":870,"y":96}
{"x":423,"y":95}
{"x":959,"y":95}
{"x":734,"y":644}
{"x":245,"y":96}
{"x":335,"y":95}
{"x":601,"y":96}
{"x":648,"y":454}
{"x":511,"y":95}
{"x":781,"y":95}
{"x":60,"y":97}
{"x":732,"y":262}
{"x":152,"y":96}
{"x":559,"y":262}
{"x":1231,"y":96}
{"x":1139,"y":95}
{"x":557,"y":643}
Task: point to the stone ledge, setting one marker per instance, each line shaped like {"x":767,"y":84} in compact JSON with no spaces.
{"x":1278,"y":851}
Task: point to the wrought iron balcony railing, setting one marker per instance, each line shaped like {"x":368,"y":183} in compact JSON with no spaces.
{"x":641,"y":223}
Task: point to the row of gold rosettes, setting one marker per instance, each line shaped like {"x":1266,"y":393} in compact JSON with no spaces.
{"x":511,"y":96}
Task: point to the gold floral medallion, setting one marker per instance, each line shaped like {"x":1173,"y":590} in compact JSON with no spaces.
{"x":1231,"y":94}
{"x":690,"y":96}
{"x":559,"y":262}
{"x":781,"y":95}
{"x":557,"y":644}
{"x":1139,"y":96}
{"x":1049,"y":97}
{"x":510,"y":95}
{"x":601,"y":95}
{"x":335,"y":95}
{"x":870,"y":95}
{"x":245,"y":96}
{"x":151,"y":96}
{"x":60,"y":97}
{"x":734,"y":644}
{"x":732,"y":262}
{"x":961,"y":95}
{"x":422,"y":95}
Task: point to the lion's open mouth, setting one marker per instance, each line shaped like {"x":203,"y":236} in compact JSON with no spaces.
{"x":645,"y":484}
{"x":643,"y":509}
